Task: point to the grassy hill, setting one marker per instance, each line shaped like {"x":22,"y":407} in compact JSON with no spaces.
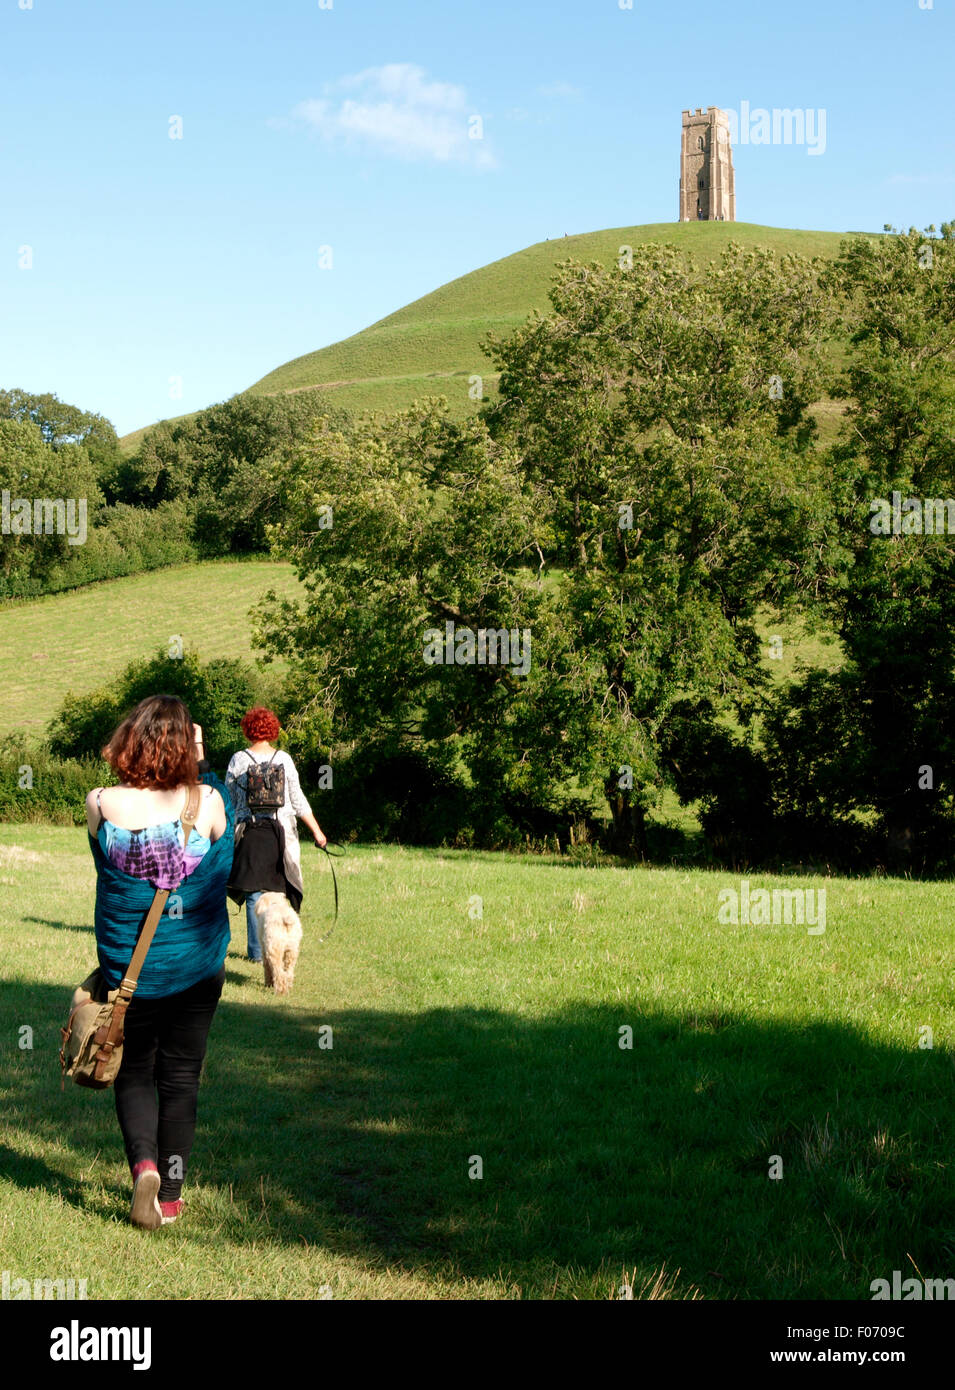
{"x":78,"y":640}
{"x":432,"y":346}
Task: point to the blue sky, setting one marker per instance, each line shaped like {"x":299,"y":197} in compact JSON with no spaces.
{"x":348,"y":127}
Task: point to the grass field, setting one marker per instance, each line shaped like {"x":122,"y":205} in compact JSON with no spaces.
{"x":78,"y":640}
{"x":432,"y":346}
{"x":344,"y":1172}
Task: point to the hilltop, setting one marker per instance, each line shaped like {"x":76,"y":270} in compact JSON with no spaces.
{"x":432,"y":346}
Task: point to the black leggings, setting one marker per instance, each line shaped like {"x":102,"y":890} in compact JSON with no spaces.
{"x":163,"y":1051}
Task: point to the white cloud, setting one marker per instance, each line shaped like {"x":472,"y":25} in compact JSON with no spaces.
{"x":398,"y":110}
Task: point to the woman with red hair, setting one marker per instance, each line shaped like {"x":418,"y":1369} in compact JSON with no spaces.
{"x":267,"y":854}
{"x":139,"y":843}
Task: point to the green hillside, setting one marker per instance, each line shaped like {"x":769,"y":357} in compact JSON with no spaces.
{"x":432,"y":346}
{"x":79,"y":640}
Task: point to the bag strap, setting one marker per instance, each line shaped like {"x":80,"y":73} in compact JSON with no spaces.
{"x":256,"y":762}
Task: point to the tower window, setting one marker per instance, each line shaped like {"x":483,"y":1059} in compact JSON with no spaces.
{"x":699,"y":142}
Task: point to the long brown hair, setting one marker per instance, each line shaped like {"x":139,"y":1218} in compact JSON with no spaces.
{"x":155,"y":745}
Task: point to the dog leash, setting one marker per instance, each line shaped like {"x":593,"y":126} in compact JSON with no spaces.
{"x":339,"y":852}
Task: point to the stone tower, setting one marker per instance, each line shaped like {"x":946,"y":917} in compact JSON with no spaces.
{"x":707,"y":181}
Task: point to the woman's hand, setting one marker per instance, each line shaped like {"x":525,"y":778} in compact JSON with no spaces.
{"x":318,"y":834}
{"x":197,"y":731}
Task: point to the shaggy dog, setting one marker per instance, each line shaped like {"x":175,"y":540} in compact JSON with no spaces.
{"x":280,"y":935}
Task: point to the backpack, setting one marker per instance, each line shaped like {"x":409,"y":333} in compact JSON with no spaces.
{"x":265,"y":787}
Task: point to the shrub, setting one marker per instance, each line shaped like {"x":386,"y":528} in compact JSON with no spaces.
{"x":36,"y":786}
{"x":125,"y":540}
{"x":383,"y":792}
{"x":217,"y":692}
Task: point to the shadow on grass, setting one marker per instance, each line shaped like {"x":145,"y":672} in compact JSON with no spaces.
{"x":596,"y":1158}
{"x":243,"y":981}
{"x":61,"y":926}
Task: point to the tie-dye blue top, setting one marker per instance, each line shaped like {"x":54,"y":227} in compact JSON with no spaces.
{"x":155,"y":853}
{"x":193,"y":933}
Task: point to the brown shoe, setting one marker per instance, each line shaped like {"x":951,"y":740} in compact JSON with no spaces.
{"x":145,"y":1210}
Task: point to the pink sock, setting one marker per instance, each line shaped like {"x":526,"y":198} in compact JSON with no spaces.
{"x":145,"y":1165}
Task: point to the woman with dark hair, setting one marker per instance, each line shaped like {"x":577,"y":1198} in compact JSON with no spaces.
{"x":267,"y":854}
{"x":138,"y":845}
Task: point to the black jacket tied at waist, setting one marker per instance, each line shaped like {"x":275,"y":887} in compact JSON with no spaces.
{"x":259,"y":863}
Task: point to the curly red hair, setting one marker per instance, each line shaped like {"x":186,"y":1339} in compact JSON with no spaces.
{"x":260,"y":725}
{"x":155,"y":745}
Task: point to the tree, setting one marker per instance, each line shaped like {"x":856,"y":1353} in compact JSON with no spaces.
{"x":399,"y":527}
{"x":63,"y":425}
{"x":632,"y":498}
{"x":889,"y":589}
{"x":228,"y":464}
{"x":664,"y":412}
{"x":32,"y":469}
